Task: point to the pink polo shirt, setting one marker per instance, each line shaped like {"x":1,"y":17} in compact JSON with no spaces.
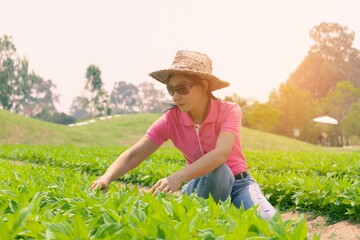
{"x":193,"y":140}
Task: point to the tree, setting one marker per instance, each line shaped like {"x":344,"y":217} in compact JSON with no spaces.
{"x":152,"y":100}
{"x":338,"y":102}
{"x":316,"y":75}
{"x":39,"y":97}
{"x":331,"y":59}
{"x":20,"y":91}
{"x":351,"y":122}
{"x":334,"y":42}
{"x":235,"y":98}
{"x":8,"y":59}
{"x":124,"y":98}
{"x":297,"y":108}
{"x":61,"y":118}
{"x":263,"y":117}
{"x":77,"y":110}
{"x":94,"y":92}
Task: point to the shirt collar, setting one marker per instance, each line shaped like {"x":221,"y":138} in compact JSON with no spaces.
{"x":186,"y":120}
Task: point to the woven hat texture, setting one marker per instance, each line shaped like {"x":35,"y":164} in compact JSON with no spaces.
{"x":190,"y":63}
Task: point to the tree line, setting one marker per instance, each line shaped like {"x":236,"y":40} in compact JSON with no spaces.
{"x":326,"y":82}
{"x":25,"y":92}
{"x":124,"y":97}
{"x":22,"y":91}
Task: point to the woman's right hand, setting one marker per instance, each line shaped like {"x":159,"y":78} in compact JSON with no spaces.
{"x":101,"y":184}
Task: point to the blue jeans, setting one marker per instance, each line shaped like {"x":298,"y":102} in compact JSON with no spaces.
{"x":221,"y":184}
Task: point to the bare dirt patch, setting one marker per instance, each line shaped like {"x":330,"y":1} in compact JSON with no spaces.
{"x":17,"y":162}
{"x":343,"y":230}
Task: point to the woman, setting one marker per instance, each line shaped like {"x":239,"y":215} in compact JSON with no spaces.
{"x":206,"y":130}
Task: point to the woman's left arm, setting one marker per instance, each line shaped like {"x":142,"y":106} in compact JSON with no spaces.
{"x":201,"y":167}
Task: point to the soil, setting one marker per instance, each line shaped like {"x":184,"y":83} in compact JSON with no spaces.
{"x":344,"y":230}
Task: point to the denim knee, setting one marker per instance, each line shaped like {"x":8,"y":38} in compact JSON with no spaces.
{"x":218,"y":183}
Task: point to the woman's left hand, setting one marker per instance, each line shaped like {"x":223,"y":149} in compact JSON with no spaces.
{"x":166,"y":185}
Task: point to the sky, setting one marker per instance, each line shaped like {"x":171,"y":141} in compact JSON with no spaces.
{"x":254,"y":45}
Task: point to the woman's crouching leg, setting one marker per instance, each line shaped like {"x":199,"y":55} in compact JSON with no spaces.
{"x":218,"y":183}
{"x":247,"y":192}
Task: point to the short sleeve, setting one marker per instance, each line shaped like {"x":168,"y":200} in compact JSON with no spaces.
{"x":158,"y":131}
{"x":232,"y":120}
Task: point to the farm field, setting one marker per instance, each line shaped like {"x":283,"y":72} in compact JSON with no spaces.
{"x":47,"y":195}
{"x":54,"y":204}
{"x":44,"y":186}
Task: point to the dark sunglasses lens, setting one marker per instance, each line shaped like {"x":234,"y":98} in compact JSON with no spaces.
{"x":170,"y":90}
{"x":182,"y":90}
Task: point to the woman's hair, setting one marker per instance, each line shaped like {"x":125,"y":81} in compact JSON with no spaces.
{"x":199,"y":81}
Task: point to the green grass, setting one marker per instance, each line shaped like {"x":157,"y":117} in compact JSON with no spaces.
{"x":118,"y":131}
{"x":124,"y":130}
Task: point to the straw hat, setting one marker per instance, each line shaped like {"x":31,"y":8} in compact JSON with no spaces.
{"x":190,"y":63}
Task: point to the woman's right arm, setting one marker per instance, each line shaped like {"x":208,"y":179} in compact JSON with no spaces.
{"x":128,"y":160}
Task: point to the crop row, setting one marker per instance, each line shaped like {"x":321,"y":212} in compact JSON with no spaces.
{"x":94,"y":160}
{"x":46,"y":202}
{"x":335,"y":163}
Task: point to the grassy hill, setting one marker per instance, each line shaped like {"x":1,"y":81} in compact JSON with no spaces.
{"x":123,"y":130}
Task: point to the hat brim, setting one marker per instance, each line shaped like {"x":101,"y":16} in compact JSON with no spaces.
{"x":164,"y":75}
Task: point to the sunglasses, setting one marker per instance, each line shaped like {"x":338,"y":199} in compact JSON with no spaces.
{"x":182,"y":89}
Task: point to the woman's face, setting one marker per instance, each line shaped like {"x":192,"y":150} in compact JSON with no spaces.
{"x":185,"y":94}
